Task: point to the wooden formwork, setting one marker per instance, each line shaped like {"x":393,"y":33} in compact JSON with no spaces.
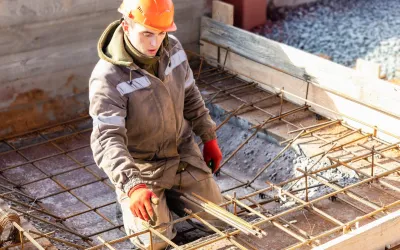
{"x":244,"y":98}
{"x":279,"y":91}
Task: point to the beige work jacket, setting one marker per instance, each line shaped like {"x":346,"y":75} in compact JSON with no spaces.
{"x":142,"y":125}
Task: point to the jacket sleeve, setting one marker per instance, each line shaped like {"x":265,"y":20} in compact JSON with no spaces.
{"x":195,"y":110}
{"x":108,"y":139}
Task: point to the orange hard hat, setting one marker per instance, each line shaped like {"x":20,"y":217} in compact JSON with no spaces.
{"x":153,"y":14}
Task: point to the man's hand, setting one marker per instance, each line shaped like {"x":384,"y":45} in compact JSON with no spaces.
{"x":140,"y":202}
{"x":212,"y":154}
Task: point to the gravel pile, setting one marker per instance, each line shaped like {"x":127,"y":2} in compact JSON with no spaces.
{"x":343,"y":30}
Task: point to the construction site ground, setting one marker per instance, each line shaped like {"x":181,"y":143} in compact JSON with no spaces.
{"x":49,"y":175}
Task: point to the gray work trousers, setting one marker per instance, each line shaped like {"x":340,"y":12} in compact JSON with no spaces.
{"x":188,"y":181}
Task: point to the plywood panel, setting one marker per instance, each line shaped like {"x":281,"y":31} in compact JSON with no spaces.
{"x":223,"y":12}
{"x":368,"y":69}
{"x":47,"y":60}
{"x":17,"y":12}
{"x":60,"y":31}
{"x":373,"y":236}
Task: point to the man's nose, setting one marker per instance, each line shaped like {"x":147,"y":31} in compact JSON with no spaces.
{"x":153,"y":41}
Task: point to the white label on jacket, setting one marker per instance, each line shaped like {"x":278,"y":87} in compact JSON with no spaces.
{"x":136,"y":84}
{"x":109,"y":120}
{"x":178,"y":58}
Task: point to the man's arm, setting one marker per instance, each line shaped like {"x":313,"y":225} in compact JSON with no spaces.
{"x":108,"y":139}
{"x":108,"y":142}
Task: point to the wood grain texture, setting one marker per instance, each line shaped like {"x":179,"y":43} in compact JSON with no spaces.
{"x":323,"y":73}
{"x":249,"y":45}
{"x":368,"y":69}
{"x":18,"y":12}
{"x":47,"y":60}
{"x":223,"y":12}
{"x":332,"y":86}
{"x":47,"y":34}
{"x":373,"y":236}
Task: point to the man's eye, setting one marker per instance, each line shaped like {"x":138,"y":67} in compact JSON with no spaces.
{"x":147,"y":34}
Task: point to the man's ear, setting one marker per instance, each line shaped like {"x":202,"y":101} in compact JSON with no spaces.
{"x":125,"y":26}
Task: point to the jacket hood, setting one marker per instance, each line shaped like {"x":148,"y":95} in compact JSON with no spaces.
{"x":114,"y":47}
{"x":111,"y":51}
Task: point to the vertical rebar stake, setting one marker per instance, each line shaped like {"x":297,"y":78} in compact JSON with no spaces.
{"x":200,"y":68}
{"x":234,"y":203}
{"x":226,"y":57}
{"x":306,"y":181}
{"x":219,"y":54}
{"x":308,"y":87}
{"x":280,"y":111}
{"x":372,"y":161}
{"x":151,"y":240}
{"x":21,"y":237}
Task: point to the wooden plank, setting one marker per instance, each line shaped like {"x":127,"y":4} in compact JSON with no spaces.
{"x":44,"y":87}
{"x":188,"y":18}
{"x":187,"y":5}
{"x":368,"y":69}
{"x":47,"y":60}
{"x":61,"y":31}
{"x":18,"y":12}
{"x":302,"y":65}
{"x":223,"y":12}
{"x":373,"y":236}
{"x":249,"y":45}
{"x":273,"y":80}
{"x":333,"y":86}
{"x":87,"y":27}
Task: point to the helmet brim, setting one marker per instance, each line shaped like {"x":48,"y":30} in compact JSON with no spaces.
{"x":171,"y":28}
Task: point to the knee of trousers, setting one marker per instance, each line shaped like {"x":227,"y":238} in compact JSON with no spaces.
{"x":133,"y":225}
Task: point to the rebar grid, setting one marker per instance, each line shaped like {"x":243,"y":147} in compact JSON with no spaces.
{"x":246,"y":106}
{"x":332,"y":149}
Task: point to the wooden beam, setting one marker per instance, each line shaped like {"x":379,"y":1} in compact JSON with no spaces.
{"x":334,"y":91}
{"x":47,"y":34}
{"x":46,"y":60}
{"x":373,"y":236}
{"x":19,"y":12}
{"x":223,"y":12}
{"x":368,"y":69}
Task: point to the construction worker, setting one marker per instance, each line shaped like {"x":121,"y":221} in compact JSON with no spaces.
{"x":145,"y":106}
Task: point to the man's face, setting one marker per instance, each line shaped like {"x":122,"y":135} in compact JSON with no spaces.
{"x":145,"y":40}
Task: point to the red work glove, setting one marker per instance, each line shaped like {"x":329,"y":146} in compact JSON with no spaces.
{"x":212,"y":155}
{"x":140,"y":202}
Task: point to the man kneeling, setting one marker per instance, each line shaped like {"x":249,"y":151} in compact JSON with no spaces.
{"x":145,"y":106}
